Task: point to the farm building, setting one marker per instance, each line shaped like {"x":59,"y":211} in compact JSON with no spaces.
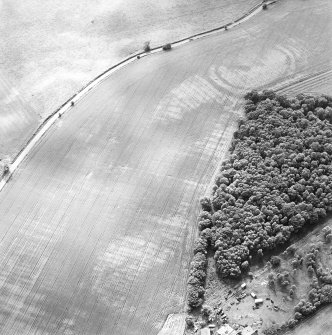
{"x":249,"y":331}
{"x":205,"y":331}
{"x":258,"y":301}
{"x":226,"y":330}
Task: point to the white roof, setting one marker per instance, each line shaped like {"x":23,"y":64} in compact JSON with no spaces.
{"x":248,"y":331}
{"x":226,"y":330}
{"x":205,"y":331}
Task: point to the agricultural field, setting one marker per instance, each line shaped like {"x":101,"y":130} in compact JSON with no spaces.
{"x":98,"y":223}
{"x":174,"y":325}
{"x":51,"y":48}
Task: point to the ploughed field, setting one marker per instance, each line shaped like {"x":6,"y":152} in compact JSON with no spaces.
{"x":51,"y":48}
{"x":98,"y":222}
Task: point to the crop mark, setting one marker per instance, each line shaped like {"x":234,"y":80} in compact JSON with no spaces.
{"x":276,"y":63}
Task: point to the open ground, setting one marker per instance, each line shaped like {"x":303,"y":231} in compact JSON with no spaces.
{"x":98,"y":222}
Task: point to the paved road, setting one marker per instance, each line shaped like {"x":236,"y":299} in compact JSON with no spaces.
{"x":97,"y":224}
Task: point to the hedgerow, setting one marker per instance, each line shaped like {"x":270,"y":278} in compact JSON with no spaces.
{"x":320,"y":293}
{"x":277,"y":179}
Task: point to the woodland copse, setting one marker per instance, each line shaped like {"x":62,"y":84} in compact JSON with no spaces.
{"x":278,"y":178}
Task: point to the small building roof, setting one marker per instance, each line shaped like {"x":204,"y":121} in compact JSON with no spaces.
{"x":226,"y":330}
{"x":258,"y":301}
{"x":205,"y":331}
{"x":248,"y":331}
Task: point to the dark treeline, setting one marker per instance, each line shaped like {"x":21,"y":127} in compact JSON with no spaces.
{"x":320,"y":290}
{"x":320,"y":293}
{"x":277,"y":179}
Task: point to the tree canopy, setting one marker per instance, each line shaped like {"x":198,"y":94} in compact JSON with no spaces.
{"x":277,"y":179}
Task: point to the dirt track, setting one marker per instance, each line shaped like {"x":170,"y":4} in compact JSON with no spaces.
{"x":98,"y":222}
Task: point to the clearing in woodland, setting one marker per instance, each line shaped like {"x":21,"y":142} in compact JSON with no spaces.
{"x":97,"y":224}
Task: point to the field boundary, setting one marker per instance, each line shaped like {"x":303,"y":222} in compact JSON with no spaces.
{"x":307,"y":78}
{"x":175,"y":324}
{"x":68,"y":104}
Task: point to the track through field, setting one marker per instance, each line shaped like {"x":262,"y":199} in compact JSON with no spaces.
{"x":97,"y":224}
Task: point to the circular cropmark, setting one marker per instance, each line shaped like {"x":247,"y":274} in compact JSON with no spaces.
{"x":260,"y":73}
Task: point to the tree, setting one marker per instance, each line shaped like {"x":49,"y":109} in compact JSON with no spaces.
{"x":206,"y":311}
{"x":206,"y":204}
{"x":275,"y":261}
{"x":167,"y":47}
{"x":195,"y":296}
{"x":328,"y":238}
{"x":291,"y":250}
{"x":310,"y":270}
{"x":292,"y":323}
{"x":245,"y":266}
{"x":200,"y":245}
{"x":5,"y":169}
{"x":260,"y":253}
{"x":271,"y":279}
{"x":147,"y":47}
{"x":190,"y":321}
{"x":298,"y":316}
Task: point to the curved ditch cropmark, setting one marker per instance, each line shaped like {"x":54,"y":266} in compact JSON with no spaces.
{"x":277,"y":63}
